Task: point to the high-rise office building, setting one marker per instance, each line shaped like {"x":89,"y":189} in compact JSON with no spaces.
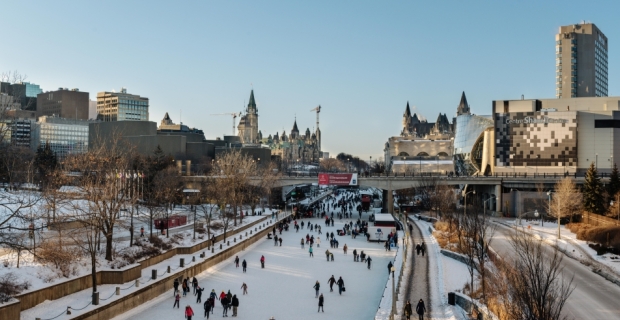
{"x":64,"y":136}
{"x":63,"y":103}
{"x":580,"y":61}
{"x":122,"y":106}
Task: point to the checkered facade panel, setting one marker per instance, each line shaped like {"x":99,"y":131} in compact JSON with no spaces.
{"x":542,"y":139}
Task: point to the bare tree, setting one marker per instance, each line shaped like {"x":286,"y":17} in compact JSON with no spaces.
{"x":331,"y":165}
{"x":232,"y":174}
{"x":566,"y":202}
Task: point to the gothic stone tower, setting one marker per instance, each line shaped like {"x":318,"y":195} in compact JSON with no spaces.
{"x":248,"y":124}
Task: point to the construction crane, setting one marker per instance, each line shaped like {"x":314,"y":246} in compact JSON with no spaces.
{"x":318,"y":110}
{"x":234,"y":116}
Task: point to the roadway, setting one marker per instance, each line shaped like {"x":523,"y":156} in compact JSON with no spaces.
{"x":593,"y":297}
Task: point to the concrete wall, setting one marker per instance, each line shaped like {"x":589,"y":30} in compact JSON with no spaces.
{"x":104,"y":132}
{"x":127,"y":274}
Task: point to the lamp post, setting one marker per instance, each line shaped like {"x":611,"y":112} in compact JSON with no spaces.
{"x":369,"y":164}
{"x":549,"y":194}
{"x":484,"y":206}
{"x":348,"y":164}
{"x":596,"y":161}
{"x":393,"y":295}
{"x":465,"y":200}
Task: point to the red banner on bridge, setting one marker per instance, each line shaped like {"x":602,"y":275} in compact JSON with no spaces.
{"x":337,"y":179}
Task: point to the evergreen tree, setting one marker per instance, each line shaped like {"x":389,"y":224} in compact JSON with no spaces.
{"x":45,"y":162}
{"x":593,"y":191}
{"x":614,"y":182}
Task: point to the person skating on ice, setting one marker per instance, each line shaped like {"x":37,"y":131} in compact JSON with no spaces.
{"x":316,"y":287}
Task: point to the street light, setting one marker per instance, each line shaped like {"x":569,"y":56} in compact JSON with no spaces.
{"x":465,"y":200}
{"x":484,"y":206}
{"x":549,"y":194}
{"x":393,"y":269}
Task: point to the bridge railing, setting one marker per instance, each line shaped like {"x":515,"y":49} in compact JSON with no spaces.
{"x":448,"y":175}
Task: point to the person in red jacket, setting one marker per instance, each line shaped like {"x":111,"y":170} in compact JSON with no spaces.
{"x":262,"y":262}
{"x":189,"y":312}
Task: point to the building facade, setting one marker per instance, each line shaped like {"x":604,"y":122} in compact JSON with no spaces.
{"x":63,"y":103}
{"x":64,"y":136}
{"x":295,"y":148}
{"x":581,"y":61}
{"x":556,"y":135}
{"x":248,"y":124}
{"x":122,"y":106}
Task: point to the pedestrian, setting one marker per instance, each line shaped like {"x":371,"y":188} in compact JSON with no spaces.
{"x":302,"y":224}
{"x":418,"y":247}
{"x":368,"y":259}
{"x":327,"y":255}
{"x":280,"y":240}
{"x":235,"y":305}
{"x":275,"y":240}
{"x":345,"y":248}
{"x":389,"y":266}
{"x":188,"y":312}
{"x":236,"y":261}
{"x":225,"y":303}
{"x":407,"y":310}
{"x":207,"y":306}
{"x":318,"y":241}
{"x":184,"y":287}
{"x":262,"y":262}
{"x":177,"y":298}
{"x":311,"y":252}
{"x":420,"y":309}
{"x":302,"y":243}
{"x":387,"y":245}
{"x":142,"y":232}
{"x":331,"y":255}
{"x":340,"y":284}
{"x":176,"y":286}
{"x":212,"y":297}
{"x":316,"y":287}
{"x":331,"y":282}
{"x":321,"y":299}
{"x":354,"y":255}
{"x":423,"y":248}
{"x":199,"y":291}
{"x":244,"y":265}
{"x":194,"y":284}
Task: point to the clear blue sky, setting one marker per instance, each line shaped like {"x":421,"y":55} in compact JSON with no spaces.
{"x":360,"y":60}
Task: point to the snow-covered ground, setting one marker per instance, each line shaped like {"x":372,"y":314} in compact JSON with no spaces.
{"x":577,"y":249}
{"x":284,"y":288}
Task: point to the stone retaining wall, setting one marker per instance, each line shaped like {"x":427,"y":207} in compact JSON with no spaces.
{"x":31,"y":299}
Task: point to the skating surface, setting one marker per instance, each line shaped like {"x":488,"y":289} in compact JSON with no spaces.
{"x":284,"y":288}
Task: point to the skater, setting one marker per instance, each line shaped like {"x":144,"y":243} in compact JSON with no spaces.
{"x":280,"y":240}
{"x":194,"y":284}
{"x":345,"y":248}
{"x":177,"y":298}
{"x":302,"y":224}
{"x":327,"y":255}
{"x":407,"y":310}
{"x":207,"y":306}
{"x":225,"y":303}
{"x":423,"y":248}
{"x":302,"y":243}
{"x":142,"y":232}
{"x":418,"y":247}
{"x":354,"y":255}
{"x":331,"y":282}
{"x":262,"y":262}
{"x":331,"y":255}
{"x":420,"y":309}
{"x":275,"y":240}
{"x":189,"y":312}
{"x":244,"y":265}
{"x":245,"y":288}
{"x":340,"y":284}
{"x":311,"y":252}
{"x":389,"y":266}
{"x":184,"y":287}
{"x":199,"y":291}
{"x":321,"y":303}
{"x":318,"y":241}
{"x":176,"y":286}
{"x":235,"y":304}
{"x":212,"y":297}
{"x":316,"y":287}
{"x":368,"y":262}
{"x":236,"y":261}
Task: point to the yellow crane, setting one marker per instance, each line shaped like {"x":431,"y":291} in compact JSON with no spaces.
{"x":318,"y":110}
{"x":234,"y":116}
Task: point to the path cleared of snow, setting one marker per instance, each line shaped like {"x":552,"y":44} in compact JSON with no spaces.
{"x":284,"y":288}
{"x":438,"y":272}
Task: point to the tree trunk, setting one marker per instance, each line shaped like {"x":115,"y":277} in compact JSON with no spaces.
{"x":108,"y":248}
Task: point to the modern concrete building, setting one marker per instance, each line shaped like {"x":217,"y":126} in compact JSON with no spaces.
{"x":556,"y":135}
{"x":63,"y":103}
{"x":581,"y":61}
{"x":122,"y":106}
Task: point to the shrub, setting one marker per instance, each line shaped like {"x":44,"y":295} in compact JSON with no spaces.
{"x":9,"y":286}
{"x":61,"y":258}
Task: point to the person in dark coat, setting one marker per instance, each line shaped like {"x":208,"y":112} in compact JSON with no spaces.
{"x":340,"y":285}
{"x":355,"y":255}
{"x":418,"y":247}
{"x":194,"y":284}
{"x":420,"y":309}
{"x":176,"y":286}
{"x":244,"y":265}
{"x":199,"y":291}
{"x":212,"y":298}
{"x":237,"y":262}
{"x":235,"y":305}
{"x":208,"y":306}
{"x":389,"y":266}
{"x":321,"y":300}
{"x":316,"y":287}
{"x":423,"y":248}
{"x":368,"y":259}
{"x":331,"y":282}
{"x":225,"y":303}
{"x":177,"y":298}
{"x":407,"y":310}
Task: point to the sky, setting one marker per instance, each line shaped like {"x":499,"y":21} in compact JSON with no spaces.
{"x":360,"y":60}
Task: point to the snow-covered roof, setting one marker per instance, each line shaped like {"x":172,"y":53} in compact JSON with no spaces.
{"x":383,"y":217}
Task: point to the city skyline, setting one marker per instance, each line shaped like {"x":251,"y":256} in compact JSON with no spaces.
{"x":361,"y":62}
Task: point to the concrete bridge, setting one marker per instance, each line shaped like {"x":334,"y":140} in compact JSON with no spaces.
{"x":485,"y":186}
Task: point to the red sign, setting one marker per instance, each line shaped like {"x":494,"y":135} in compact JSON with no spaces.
{"x":337,"y":179}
